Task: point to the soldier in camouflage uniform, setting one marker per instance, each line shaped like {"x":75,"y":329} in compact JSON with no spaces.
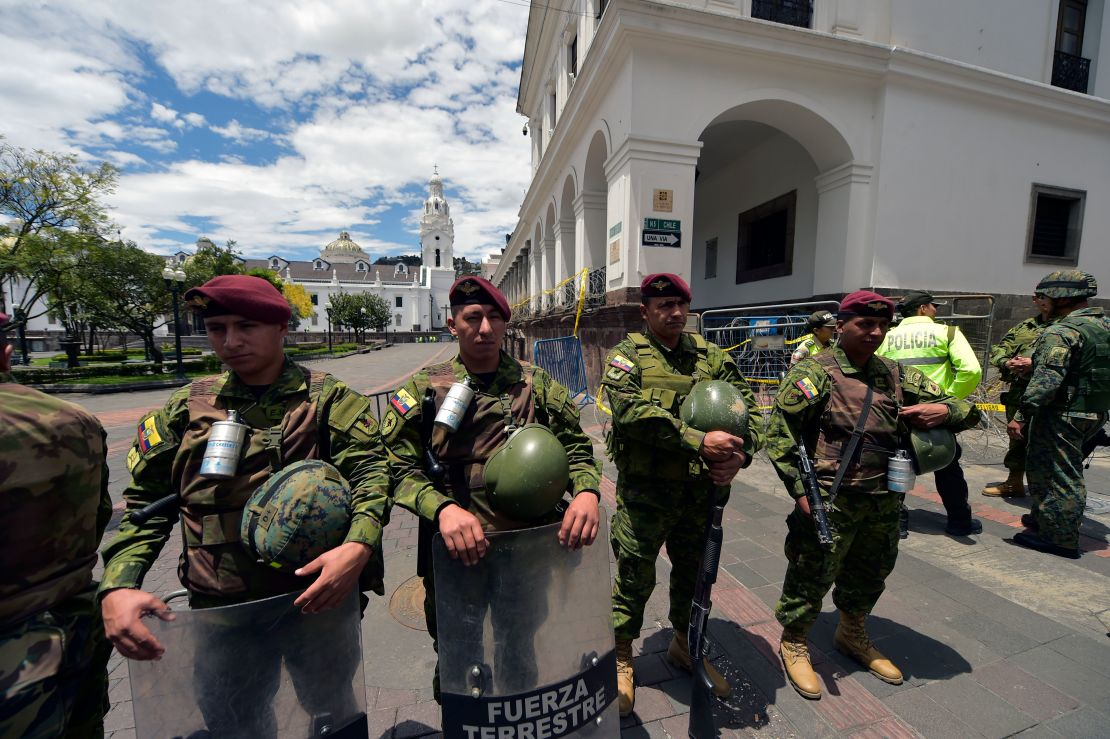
{"x":668,"y":472}
{"x":1063,"y":407}
{"x":55,"y":506}
{"x":508,"y":393}
{"x":294,"y":414}
{"x":1013,"y":358}
{"x":820,"y":402}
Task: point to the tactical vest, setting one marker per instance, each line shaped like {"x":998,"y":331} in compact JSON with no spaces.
{"x":485,"y":426}
{"x":867,"y":471}
{"x":1087,"y":386}
{"x":214,"y":562}
{"x":666,"y":389}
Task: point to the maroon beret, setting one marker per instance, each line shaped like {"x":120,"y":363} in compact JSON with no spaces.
{"x":866,"y":303}
{"x":4,"y":321}
{"x":472,"y":290}
{"x":241,"y":295}
{"x":664,"y":285}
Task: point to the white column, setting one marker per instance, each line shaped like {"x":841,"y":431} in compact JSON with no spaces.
{"x":845,"y":253}
{"x":547,"y":274}
{"x":637,"y":168}
{"x":535,"y":276}
{"x":589,"y":230}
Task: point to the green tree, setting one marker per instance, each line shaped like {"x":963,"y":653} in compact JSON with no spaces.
{"x":359,"y":312}
{"x":464,"y":266}
{"x":297,"y":297}
{"x":42,"y":195}
{"x":211,"y":261}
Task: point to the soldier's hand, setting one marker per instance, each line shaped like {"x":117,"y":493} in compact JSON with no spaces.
{"x":1015,"y":430}
{"x":580,"y":522}
{"x":721,"y":473}
{"x":1020,"y":365}
{"x":339,"y":569}
{"x":924,"y":415}
{"x":803,"y":505}
{"x":122,"y":610}
{"x":463,"y":535}
{"x":717,"y":446}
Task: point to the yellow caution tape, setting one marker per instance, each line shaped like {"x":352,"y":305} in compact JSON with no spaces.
{"x":995,"y":407}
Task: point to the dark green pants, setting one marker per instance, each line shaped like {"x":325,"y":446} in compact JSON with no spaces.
{"x":1054,"y":465}
{"x":865,"y":547}
{"x":57,"y":685}
{"x":1015,"y":453}
{"x":648,"y":517}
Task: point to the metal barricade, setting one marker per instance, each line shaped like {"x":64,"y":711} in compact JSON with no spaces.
{"x":562,"y":359}
{"x":761,"y":339}
{"x":974,"y":316}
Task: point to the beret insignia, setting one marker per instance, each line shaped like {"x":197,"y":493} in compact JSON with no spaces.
{"x":876,"y":306}
{"x":468,"y":288}
{"x":660,"y":284}
{"x":199,"y":301}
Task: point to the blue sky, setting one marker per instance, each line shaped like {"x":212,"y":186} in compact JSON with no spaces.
{"x":278,"y":124}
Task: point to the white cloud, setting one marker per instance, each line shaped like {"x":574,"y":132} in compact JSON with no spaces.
{"x":162,"y":113}
{"x":239,"y":133}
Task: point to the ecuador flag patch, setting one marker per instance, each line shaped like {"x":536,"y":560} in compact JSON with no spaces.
{"x":621,"y":363}
{"x":148,"y":435}
{"x":807,"y":388}
{"x":402,"y":401}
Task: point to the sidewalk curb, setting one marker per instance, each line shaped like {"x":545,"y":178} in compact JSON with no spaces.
{"x":119,"y":387}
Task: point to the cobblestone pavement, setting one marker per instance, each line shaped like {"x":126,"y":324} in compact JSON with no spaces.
{"x":994,"y":640}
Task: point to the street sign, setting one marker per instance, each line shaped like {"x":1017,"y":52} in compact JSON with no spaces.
{"x":661,"y":238}
{"x":662,"y":201}
{"x":660,"y":224}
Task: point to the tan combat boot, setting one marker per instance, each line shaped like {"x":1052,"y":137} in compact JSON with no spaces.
{"x":795,"y":658}
{"x":626,"y":691}
{"x":678,"y":654}
{"x":1013,"y":487}
{"x":851,"y":638}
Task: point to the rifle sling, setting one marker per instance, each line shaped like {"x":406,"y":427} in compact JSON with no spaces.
{"x":848,"y":453}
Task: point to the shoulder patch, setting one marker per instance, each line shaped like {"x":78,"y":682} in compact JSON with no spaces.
{"x":402,"y":401}
{"x":389,"y":422}
{"x":622,"y":363}
{"x":133,"y":458}
{"x":807,"y":388}
{"x":151,"y":436}
{"x":1057,"y":356}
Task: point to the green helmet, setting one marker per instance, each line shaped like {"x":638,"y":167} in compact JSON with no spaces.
{"x":527,"y":476}
{"x":715,"y":405}
{"x":1068,"y":283}
{"x":933,"y":449}
{"x":298,"y":514}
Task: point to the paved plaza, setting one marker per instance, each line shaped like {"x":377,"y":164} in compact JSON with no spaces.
{"x":994,"y":640}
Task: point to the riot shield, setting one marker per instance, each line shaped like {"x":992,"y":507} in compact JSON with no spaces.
{"x":260,"y":669}
{"x":526,"y":639}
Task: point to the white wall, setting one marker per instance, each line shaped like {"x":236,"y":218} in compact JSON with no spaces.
{"x":774,"y":168}
{"x":954,"y":190}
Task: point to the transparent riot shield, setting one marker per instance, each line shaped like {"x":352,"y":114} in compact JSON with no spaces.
{"x":526,"y":639}
{"x":261,"y":669}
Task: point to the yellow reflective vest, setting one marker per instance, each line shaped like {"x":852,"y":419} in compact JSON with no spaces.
{"x":922,"y":343}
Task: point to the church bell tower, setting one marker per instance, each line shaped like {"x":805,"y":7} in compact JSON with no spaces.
{"x":437,"y":230}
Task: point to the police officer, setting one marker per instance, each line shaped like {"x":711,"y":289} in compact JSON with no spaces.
{"x":667,"y":470}
{"x":822,"y":329}
{"x":1064,"y":405}
{"x":507,"y":394}
{"x":1013,"y":356}
{"x":55,"y":506}
{"x":942,"y":354}
{"x":293,"y":414}
{"x":821,"y":401}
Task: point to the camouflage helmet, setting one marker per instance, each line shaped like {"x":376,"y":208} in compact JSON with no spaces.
{"x":715,"y":405}
{"x":527,"y":476}
{"x":298,"y":514}
{"x":933,"y":449}
{"x":1068,"y":283}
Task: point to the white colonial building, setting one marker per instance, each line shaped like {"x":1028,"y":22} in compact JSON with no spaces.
{"x":777,"y":150}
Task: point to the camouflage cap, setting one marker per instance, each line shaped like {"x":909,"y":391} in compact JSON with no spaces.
{"x":1068,"y":283}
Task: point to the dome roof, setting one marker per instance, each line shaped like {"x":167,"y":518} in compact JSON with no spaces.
{"x":343,"y":250}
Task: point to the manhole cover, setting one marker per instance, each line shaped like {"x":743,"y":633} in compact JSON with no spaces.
{"x":1097,"y":504}
{"x":406,"y":605}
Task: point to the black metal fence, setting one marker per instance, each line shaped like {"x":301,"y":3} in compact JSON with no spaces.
{"x":1070,"y":72}
{"x":788,"y":12}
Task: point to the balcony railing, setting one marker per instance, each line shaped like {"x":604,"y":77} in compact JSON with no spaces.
{"x":788,"y":12}
{"x":1070,"y":71}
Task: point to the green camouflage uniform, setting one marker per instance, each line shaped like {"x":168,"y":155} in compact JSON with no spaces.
{"x":1018,"y":342}
{"x":864,"y":516}
{"x":1065,"y":403}
{"x":160,"y":463}
{"x":663,"y":488}
{"x":533,"y":397}
{"x":55,"y":506}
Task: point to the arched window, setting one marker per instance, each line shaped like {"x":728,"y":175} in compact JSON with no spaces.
{"x":437,"y":257}
{"x":274,"y":263}
{"x":361,"y":267}
{"x":317,"y":264}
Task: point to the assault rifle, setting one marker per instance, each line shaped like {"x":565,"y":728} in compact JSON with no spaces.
{"x":813,"y":495}
{"x":157,"y":508}
{"x":701,"y":696}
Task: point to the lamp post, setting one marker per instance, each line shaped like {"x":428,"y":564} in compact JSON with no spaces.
{"x":20,"y":316}
{"x":328,"y":311}
{"x":175,"y":279}
{"x":365,"y":321}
